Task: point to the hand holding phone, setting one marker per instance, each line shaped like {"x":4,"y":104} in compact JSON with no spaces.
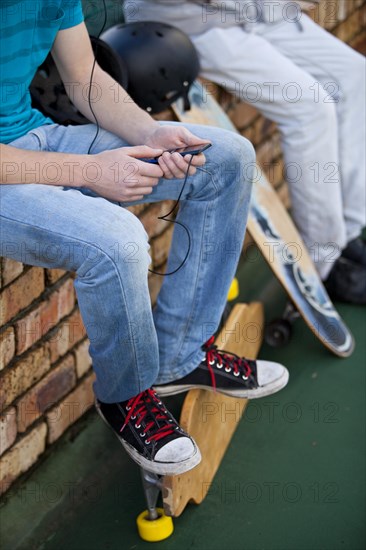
{"x":190,"y":150}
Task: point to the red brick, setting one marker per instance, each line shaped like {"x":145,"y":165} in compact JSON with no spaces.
{"x":26,"y":372}
{"x":53,"y":275}
{"x":63,"y":415}
{"x":359,"y":43}
{"x":349,"y":28}
{"x":42,"y":319}
{"x":325,"y":14}
{"x":66,"y":335}
{"x":149,"y":218}
{"x":11,"y":269}
{"x":82,"y":358}
{"x":65,"y":298}
{"x":7,"y":346}
{"x":21,"y":293}
{"x":333,"y":13}
{"x":249,"y":133}
{"x":8,"y":429}
{"x":269,"y":150}
{"x":48,"y":391}
{"x":283,"y":193}
{"x":274,"y":172}
{"x":35,"y":324}
{"x":242,"y":114}
{"x":263,"y":129}
{"x":137,"y":209}
{"x":22,"y":456}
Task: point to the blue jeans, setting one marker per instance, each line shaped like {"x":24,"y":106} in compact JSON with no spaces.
{"x":106,"y":245}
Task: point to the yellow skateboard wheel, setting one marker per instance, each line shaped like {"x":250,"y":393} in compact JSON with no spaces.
{"x":154,"y":530}
{"x":233,"y":290}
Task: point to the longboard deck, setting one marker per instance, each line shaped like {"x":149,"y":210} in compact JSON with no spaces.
{"x":210,"y":417}
{"x":276,"y":236}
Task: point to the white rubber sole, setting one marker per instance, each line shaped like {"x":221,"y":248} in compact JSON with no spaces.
{"x":163,"y":468}
{"x":256,"y":393}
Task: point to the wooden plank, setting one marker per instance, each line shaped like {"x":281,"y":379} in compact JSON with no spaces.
{"x":211,"y":418}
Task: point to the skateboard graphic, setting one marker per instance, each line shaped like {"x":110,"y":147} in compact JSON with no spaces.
{"x":211,"y":419}
{"x":273,"y":231}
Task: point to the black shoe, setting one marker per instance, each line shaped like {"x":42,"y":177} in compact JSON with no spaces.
{"x":356,"y":251}
{"x":229,"y":374}
{"x":150,"y":434}
{"x":347,"y":282}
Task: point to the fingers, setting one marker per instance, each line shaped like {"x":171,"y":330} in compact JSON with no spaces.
{"x":148,"y":170}
{"x":191,"y":139}
{"x":175,"y":166}
{"x":145,"y":190}
{"x":139,"y":187}
{"x":143,"y":151}
{"x":143,"y":183}
{"x":197,"y":160}
{"x":136,"y":194}
{"x":134,"y":170}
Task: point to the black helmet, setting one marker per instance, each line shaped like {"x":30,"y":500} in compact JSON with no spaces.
{"x":48,"y":92}
{"x":161,"y":61}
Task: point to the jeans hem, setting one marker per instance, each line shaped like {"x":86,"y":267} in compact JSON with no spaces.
{"x":193,"y":364}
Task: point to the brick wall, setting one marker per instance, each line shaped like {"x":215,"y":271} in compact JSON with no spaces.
{"x":45,"y":370}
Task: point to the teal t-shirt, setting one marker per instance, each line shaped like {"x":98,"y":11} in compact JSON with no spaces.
{"x":28,"y":30}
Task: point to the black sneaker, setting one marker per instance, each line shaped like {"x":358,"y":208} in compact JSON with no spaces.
{"x":229,"y":374}
{"x":356,"y":251}
{"x":347,"y":282}
{"x":150,"y":434}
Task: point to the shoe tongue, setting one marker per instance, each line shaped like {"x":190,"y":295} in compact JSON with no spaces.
{"x":149,"y":404}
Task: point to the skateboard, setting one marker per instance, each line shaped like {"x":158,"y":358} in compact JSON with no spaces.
{"x":211,"y":419}
{"x":273,"y":231}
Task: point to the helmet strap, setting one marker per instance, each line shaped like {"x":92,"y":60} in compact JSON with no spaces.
{"x":186,"y":102}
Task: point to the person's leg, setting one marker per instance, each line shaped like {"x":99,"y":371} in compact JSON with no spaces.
{"x":250,"y":67}
{"x":191,"y":301}
{"x":107,"y":247}
{"x":214,"y":209}
{"x":341,"y":71}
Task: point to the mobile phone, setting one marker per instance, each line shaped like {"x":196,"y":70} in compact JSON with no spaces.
{"x":190,"y":150}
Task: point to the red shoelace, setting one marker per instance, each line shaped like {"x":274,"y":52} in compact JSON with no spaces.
{"x":147,"y":402}
{"x":229,"y":360}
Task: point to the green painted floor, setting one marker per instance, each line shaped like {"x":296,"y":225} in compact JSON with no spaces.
{"x":293,"y":477}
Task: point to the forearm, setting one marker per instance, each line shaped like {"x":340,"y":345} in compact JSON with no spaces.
{"x":108,"y":173}
{"x":25,"y":166}
{"x":113,"y":108}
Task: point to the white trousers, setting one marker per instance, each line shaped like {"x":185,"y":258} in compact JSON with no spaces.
{"x":313,"y":86}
